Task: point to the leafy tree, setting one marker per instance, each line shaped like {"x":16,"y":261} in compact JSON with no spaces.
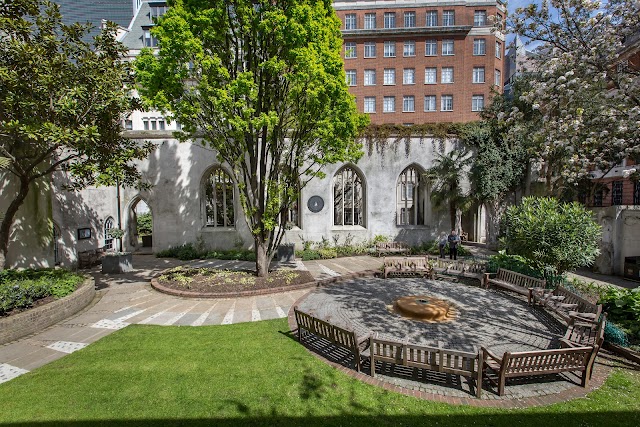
{"x":501,"y":163}
{"x":262,"y":82}
{"x":557,"y":236}
{"x":145,"y":224}
{"x":589,"y":103}
{"x":446,"y":175}
{"x":61,"y":103}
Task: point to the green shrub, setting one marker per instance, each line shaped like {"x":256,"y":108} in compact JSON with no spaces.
{"x":514,"y":263}
{"x":328,"y":253}
{"x":145,"y":224}
{"x":19,"y":289}
{"x":308,"y":254}
{"x":556,"y":236}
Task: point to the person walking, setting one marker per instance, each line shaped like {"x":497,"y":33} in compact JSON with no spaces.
{"x":454,"y":240}
{"x":442,"y":242}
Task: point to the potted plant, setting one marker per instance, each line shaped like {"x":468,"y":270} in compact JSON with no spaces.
{"x":117,"y":262}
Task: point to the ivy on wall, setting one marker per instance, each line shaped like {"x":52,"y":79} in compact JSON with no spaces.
{"x":380,"y":138}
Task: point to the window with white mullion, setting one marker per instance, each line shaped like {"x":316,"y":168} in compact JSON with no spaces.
{"x":348,"y":198}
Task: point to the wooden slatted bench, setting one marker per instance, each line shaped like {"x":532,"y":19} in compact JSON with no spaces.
{"x":461,"y":268}
{"x":391,"y":248}
{"x":567,"y":304}
{"x":513,"y":281}
{"x":407,"y":266}
{"x":436,"y":359}
{"x":337,"y":336}
{"x":582,"y":334}
{"x":539,"y":362}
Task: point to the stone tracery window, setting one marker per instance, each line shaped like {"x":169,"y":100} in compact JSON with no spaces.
{"x":348,"y":198}
{"x":409,"y":198}
{"x":108,"y":240}
{"x":219,"y":201}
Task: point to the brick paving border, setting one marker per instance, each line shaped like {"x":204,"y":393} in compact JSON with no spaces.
{"x":503,"y":402}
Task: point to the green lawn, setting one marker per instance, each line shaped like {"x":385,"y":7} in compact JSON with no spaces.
{"x":253,"y":374}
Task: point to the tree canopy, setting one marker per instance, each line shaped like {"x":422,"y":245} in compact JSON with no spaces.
{"x":261,"y":82}
{"x":62,"y":100}
{"x":587,"y":96}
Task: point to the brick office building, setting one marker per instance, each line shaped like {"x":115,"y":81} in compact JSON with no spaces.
{"x":415,"y":62}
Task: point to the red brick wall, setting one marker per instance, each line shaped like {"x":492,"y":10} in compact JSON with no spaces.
{"x":463,"y":61}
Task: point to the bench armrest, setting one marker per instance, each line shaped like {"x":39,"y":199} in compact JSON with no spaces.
{"x":488,"y":354}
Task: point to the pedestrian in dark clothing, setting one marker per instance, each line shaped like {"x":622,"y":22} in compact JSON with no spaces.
{"x":454,"y":240}
{"x":442,"y":242}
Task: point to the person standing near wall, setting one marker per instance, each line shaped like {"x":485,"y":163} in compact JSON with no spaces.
{"x":442,"y":242}
{"x":454,"y":240}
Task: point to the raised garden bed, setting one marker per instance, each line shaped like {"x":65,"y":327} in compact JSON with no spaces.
{"x":212,"y":282}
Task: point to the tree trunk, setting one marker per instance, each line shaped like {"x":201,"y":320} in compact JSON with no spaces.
{"x":9,"y":216}
{"x":452,"y":215}
{"x":262,"y":258}
{"x":495,"y":211}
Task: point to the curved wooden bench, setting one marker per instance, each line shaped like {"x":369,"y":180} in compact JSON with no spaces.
{"x":436,"y":359}
{"x":390,"y":248}
{"x":407,"y":266}
{"x":460,"y":268}
{"x":337,"y":336}
{"x":513,"y":281}
{"x":567,"y":304}
{"x":539,"y":362}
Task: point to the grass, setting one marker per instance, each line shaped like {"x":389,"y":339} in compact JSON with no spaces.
{"x":253,"y":374}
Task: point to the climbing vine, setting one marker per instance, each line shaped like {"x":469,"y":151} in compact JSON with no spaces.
{"x":379,"y":138}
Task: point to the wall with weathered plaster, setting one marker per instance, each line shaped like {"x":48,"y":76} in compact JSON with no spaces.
{"x":620,"y":237}
{"x":30,"y":242}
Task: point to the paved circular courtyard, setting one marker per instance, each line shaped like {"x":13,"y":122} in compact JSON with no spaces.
{"x":496,"y":320}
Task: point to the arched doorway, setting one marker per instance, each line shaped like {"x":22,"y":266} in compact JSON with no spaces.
{"x":140,"y":226}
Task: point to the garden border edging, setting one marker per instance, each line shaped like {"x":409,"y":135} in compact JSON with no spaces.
{"x":39,"y":318}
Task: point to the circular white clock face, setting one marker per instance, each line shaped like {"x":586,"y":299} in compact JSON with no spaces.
{"x":315,"y":204}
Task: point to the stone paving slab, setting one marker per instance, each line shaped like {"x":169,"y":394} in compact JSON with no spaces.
{"x":8,"y":372}
{"x":67,"y":346}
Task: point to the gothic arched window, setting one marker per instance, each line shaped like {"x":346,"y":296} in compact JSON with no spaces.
{"x":348,"y":198}
{"x":409,"y":198}
{"x":108,"y":240}
{"x":219,"y":201}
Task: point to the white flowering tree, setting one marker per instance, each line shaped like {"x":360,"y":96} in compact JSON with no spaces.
{"x":587,"y":95}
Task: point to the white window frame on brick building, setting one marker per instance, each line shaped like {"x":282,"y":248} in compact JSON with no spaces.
{"x":351,"y":77}
{"x":389,"y":104}
{"x":409,"y":19}
{"x":430,"y":75}
{"x":430,"y":103}
{"x":479,"y":18}
{"x":431,"y":47}
{"x":408,"y":104}
{"x":369,"y":49}
{"x":497,"y":78}
{"x":409,"y":48}
{"x":447,"y":47}
{"x":369,"y":21}
{"x":446,"y":103}
{"x":431,"y":18}
{"x":350,"y":21}
{"x":477,"y":103}
{"x":498,"y":50}
{"x":478,"y":75}
{"x":479,"y":47}
{"x":389,"y":76}
{"x":389,"y":20}
{"x":369,"y":104}
{"x":389,"y":49}
{"x":448,"y":18}
{"x":350,"y":50}
{"x":369,"y":77}
{"x":409,"y":76}
{"x":446,"y":75}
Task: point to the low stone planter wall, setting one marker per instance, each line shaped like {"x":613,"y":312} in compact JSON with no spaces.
{"x":39,"y":318}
